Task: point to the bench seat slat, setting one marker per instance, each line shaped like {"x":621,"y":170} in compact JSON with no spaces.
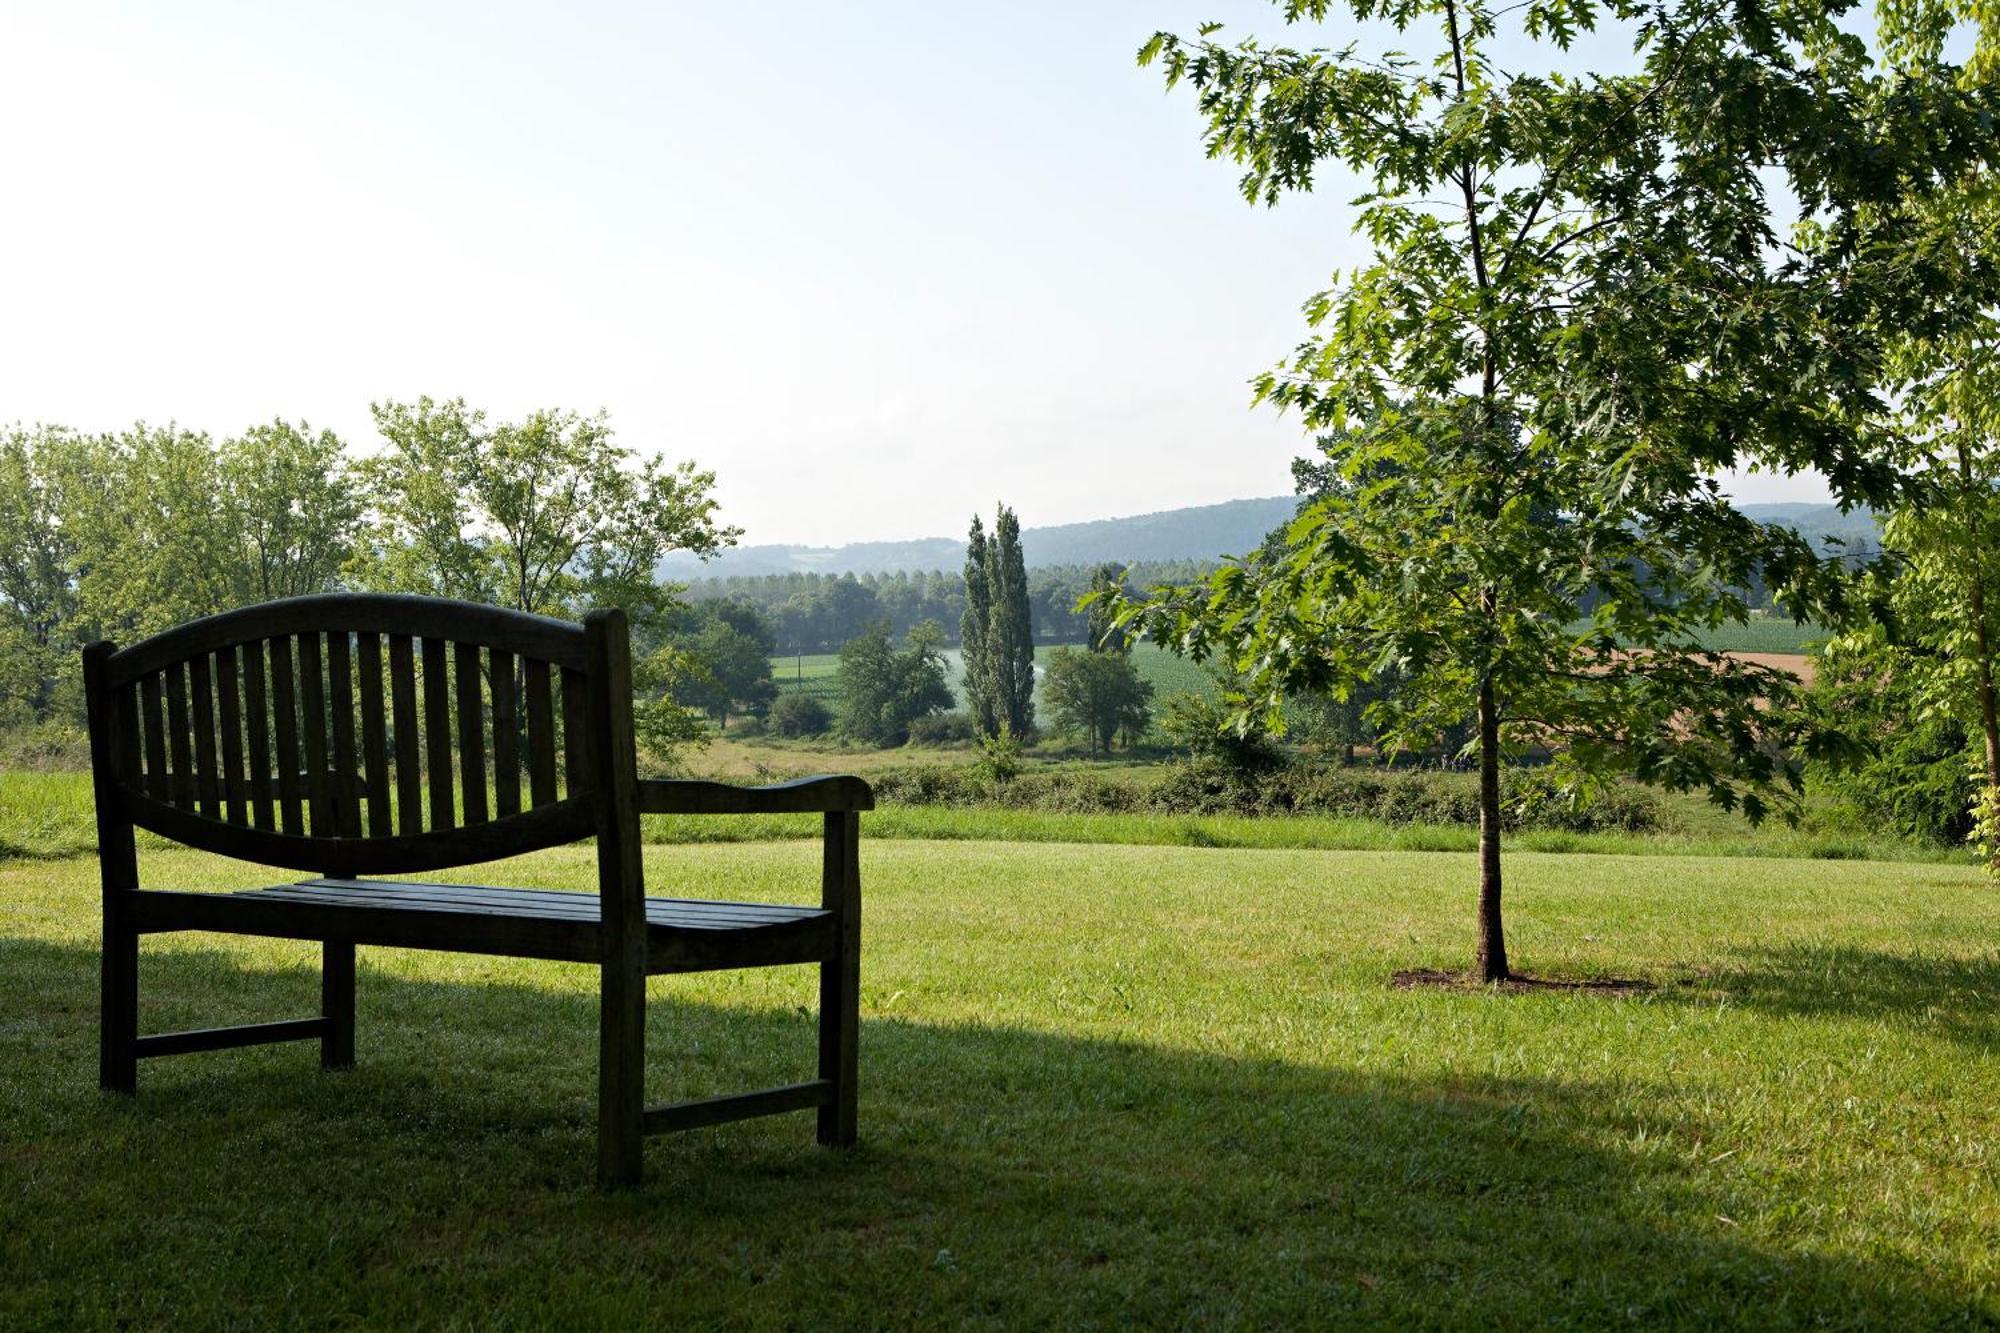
{"x":705,"y":909}
{"x":396,"y":895}
{"x":682,"y":935}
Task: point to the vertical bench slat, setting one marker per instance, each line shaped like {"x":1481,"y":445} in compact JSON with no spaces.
{"x":471,"y":733}
{"x":126,"y":709}
{"x":437,"y":733}
{"x":312,"y":713}
{"x":284,"y":706}
{"x":506,"y":736}
{"x":576,"y":732}
{"x":403,"y":712}
{"x":231,"y":715}
{"x":345,"y":778}
{"x":257,"y":725}
{"x":374,"y":736}
{"x":178,"y":736}
{"x":541,"y":733}
{"x":207,"y":789}
{"x":158,"y":781}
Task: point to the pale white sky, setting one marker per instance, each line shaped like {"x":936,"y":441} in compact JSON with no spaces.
{"x":876,"y":264}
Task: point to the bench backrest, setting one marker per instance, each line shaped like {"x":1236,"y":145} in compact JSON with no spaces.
{"x":357,"y":734}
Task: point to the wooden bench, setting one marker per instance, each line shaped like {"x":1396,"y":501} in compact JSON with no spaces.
{"x":352,"y":736}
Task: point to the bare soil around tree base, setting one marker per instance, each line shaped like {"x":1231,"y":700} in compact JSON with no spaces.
{"x":1425,"y":978}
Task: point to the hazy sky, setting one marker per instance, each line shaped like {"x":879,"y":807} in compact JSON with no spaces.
{"x":877,"y":264}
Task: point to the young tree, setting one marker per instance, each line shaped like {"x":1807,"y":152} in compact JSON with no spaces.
{"x":1579,"y":308}
{"x":1099,"y":694}
{"x":883,"y":690}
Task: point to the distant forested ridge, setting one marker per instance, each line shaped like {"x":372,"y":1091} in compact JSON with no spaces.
{"x":1204,"y":533}
{"x":816,"y":610}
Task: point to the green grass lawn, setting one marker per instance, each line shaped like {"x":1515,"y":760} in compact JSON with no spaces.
{"x":1102,"y":1086}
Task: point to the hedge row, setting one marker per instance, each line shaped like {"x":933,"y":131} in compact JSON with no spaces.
{"x":1530,"y":799}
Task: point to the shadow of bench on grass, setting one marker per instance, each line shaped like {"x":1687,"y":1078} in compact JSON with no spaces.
{"x":1005,"y":1176}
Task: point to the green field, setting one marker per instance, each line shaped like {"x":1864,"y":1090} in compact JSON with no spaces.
{"x":1763,"y":633}
{"x":816,"y":673}
{"x":1102,"y":1086}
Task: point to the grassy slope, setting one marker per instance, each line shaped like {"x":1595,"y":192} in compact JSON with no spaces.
{"x":1102,"y":1085}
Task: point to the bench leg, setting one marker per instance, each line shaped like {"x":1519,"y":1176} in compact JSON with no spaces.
{"x":621,"y":1078}
{"x":840,"y":979}
{"x":336,"y":1004}
{"x":118,"y":1018}
{"x":839,"y":1027}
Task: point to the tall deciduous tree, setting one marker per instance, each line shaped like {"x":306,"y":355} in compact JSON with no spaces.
{"x":294,"y":504}
{"x":42,"y":481}
{"x":1580,"y":305}
{"x":1103,"y":632}
{"x":1010,"y":653}
{"x":1942,"y":595}
{"x":884,"y":689}
{"x":997,"y":633}
{"x":547,"y":514}
{"x":975,"y":629}
{"x":157,"y":540}
{"x":1099,"y":694}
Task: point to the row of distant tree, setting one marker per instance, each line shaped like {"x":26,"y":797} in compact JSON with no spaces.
{"x":817,"y":613}
{"x":123,"y":534}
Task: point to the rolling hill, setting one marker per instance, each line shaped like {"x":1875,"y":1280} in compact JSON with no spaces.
{"x":1203,"y":532}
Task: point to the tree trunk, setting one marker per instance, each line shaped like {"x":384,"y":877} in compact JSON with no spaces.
{"x":1989,"y":712}
{"x":1491,"y":961}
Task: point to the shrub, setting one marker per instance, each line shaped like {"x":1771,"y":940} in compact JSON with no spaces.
{"x":798,"y":715}
{"x":933,"y":784}
{"x":940,"y":729}
{"x":1204,"y":728}
{"x":1000,"y":755}
{"x":45,"y":747}
{"x":1073,"y":791}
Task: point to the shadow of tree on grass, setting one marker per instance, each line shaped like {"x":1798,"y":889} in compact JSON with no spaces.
{"x":1955,"y":996}
{"x":1007,"y":1177}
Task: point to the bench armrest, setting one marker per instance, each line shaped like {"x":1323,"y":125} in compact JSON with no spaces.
{"x":688,"y":796}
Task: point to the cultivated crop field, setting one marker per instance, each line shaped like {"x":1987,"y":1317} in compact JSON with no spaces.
{"x":1101,"y":1084}
{"x":816,"y":673}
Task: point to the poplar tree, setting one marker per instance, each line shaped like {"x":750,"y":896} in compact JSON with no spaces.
{"x":974,"y":627}
{"x":1011,"y":634}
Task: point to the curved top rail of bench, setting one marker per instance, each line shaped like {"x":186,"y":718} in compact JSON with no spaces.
{"x":554,"y":641}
